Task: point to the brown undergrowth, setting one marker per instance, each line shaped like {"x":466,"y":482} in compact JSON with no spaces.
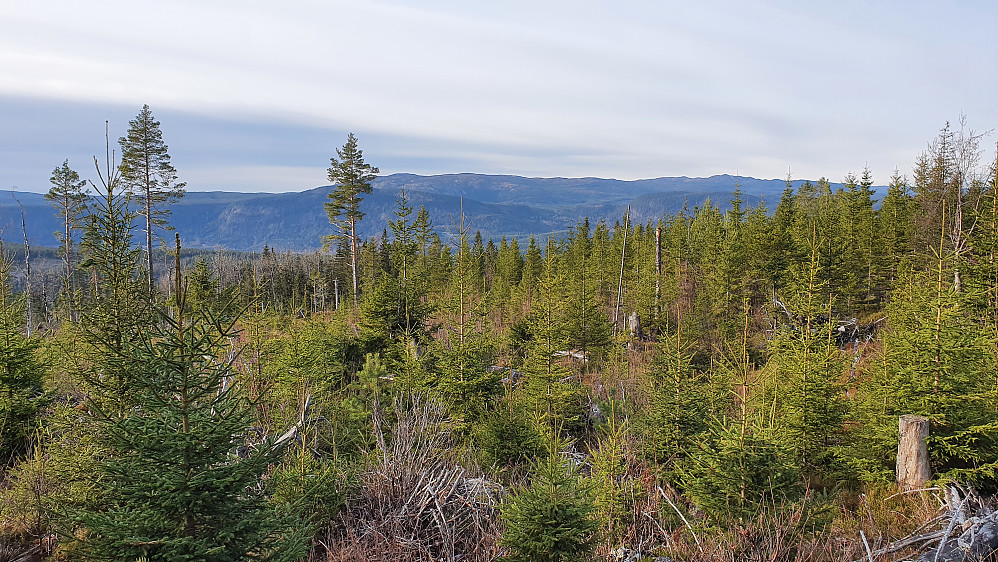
{"x":416,"y":500}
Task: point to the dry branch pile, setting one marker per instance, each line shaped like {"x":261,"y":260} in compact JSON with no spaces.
{"x":416,"y":501}
{"x":964,"y":530}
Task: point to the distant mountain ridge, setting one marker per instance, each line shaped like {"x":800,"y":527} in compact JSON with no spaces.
{"x":496,"y":205}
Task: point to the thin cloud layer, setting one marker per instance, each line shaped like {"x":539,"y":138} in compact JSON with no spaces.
{"x":624,"y":90}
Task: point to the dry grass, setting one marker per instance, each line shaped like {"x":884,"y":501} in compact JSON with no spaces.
{"x":809,"y":530}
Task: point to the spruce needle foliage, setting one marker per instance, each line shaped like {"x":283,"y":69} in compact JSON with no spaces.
{"x":20,"y":371}
{"x":114,"y":310}
{"x":608,"y":480}
{"x":803,"y":391}
{"x":738,"y":470}
{"x":677,"y":413}
{"x":936,"y":362}
{"x":551,"y":519}
{"x":175,"y":488}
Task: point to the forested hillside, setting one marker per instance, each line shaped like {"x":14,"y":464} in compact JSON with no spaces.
{"x":496,"y":206}
{"x":723,"y":382}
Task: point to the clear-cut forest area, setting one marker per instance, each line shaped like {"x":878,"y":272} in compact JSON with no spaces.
{"x":809,"y":379}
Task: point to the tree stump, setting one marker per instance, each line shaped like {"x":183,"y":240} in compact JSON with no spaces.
{"x":913,"y":470}
{"x":634,"y":325}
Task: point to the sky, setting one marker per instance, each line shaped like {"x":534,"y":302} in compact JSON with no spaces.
{"x":257,"y":96}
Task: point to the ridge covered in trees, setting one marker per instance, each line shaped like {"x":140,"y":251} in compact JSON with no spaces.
{"x":496,"y":205}
{"x":705,"y":385}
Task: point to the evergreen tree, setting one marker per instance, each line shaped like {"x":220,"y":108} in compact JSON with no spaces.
{"x":175,"y":489}
{"x":548,"y":390}
{"x":490,"y":264}
{"x":893,"y":225}
{"x":148,"y":176}
{"x":805,"y":368}
{"x":509,"y":269}
{"x":478,"y":261}
{"x":464,"y":379}
{"x":550,"y":520}
{"x":110,"y":321}
{"x":20,"y":371}
{"x":351,"y":178}
{"x":68,"y":195}
{"x":396,"y":308}
{"x":783,"y":251}
{"x":677,"y":414}
{"x":422,"y":231}
{"x":603,"y":262}
{"x":856,"y":226}
{"x":610,"y":486}
{"x":982,"y":264}
{"x":739,"y":469}
{"x":394,"y":311}
{"x":532,"y":266}
{"x":936,"y":362}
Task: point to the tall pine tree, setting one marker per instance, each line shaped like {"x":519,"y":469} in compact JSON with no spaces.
{"x":149,"y":177}
{"x":351,"y":178}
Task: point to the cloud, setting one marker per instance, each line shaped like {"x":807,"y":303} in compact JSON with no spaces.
{"x":629,"y":89}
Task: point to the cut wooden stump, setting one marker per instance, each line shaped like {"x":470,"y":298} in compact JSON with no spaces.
{"x":913,"y":470}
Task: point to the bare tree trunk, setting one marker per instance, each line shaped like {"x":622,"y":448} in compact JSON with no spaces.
{"x":149,"y":276}
{"x":27,"y":270}
{"x":913,"y":469}
{"x":353,"y":256}
{"x":68,"y":248}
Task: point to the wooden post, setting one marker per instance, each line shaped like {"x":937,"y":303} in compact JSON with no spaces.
{"x":913,"y":470}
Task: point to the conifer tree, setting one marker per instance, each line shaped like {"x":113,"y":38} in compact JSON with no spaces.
{"x":422,"y":231}
{"x":739,"y":468}
{"x":149,"y":177}
{"x":509,"y":269}
{"x":803,"y":393}
{"x":936,"y":362}
{"x":68,"y":195}
{"x":490,"y":263}
{"x":550,"y":520}
{"x":464,"y":379}
{"x":532,"y":266}
{"x":20,"y":371}
{"x":351,"y":178}
{"x":601,"y":261}
{"x":982,"y":266}
{"x":175,"y":490}
{"x":585,"y":326}
{"x":857,"y":230}
{"x":110,"y":321}
{"x":678,"y":413}
{"x":608,"y":482}
{"x":893,"y":225}
{"x":548,"y":391}
{"x":478,"y":261}
{"x":396,"y":309}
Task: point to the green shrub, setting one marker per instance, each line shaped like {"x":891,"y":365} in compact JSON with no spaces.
{"x":551,"y":519}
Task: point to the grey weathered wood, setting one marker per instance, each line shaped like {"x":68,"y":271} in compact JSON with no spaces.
{"x":634,"y":325}
{"x":913,"y":471}
{"x":977,"y":542}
